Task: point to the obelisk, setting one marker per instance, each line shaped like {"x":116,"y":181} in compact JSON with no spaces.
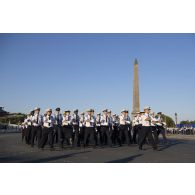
{"x":136,"y":100}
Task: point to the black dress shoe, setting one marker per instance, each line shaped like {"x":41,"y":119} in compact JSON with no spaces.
{"x":140,"y":147}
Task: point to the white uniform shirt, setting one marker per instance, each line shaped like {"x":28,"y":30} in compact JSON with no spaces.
{"x":75,"y":119}
{"x":67,"y":120}
{"x":98,"y":121}
{"x":124,"y":120}
{"x":90,"y":121}
{"x":28,"y":121}
{"x":153,"y":119}
{"x":48,"y":121}
{"x":136,"y":120}
{"x":37,"y":120}
{"x":105,"y":120}
{"x":82,"y":121}
{"x":115,"y":122}
{"x":146,"y":123}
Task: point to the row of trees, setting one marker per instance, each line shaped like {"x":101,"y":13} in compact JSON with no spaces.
{"x":16,"y":118}
{"x":187,"y":122}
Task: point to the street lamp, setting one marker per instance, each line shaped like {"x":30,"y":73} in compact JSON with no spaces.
{"x":176,"y":119}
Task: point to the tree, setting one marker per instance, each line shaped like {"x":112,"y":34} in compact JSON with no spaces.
{"x":169,"y":121}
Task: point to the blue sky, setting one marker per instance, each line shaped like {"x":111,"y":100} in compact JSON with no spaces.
{"x":96,"y":70}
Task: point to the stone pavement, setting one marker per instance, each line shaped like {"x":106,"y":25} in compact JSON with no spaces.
{"x":181,"y":149}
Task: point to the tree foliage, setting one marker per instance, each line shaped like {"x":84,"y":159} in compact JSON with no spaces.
{"x":169,"y":121}
{"x":187,"y":122}
{"x":16,"y":118}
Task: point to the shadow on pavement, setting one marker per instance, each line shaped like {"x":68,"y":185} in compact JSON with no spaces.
{"x":46,"y":160}
{"x":125,"y":160}
{"x":169,"y":145}
{"x":17,"y":159}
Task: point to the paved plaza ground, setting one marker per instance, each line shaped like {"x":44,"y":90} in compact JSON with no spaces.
{"x":180,"y":149}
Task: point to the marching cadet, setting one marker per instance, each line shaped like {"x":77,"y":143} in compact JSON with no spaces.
{"x":105,"y":128}
{"x":58,"y":125}
{"x":67,"y":128}
{"x":110,"y":118}
{"x":154,"y":128}
{"x":124,"y":123}
{"x":48,"y":130}
{"x":140,"y":125}
{"x":136,"y":126}
{"x":129,"y":125}
{"x":37,"y":121}
{"x":82,"y":127}
{"x":75,"y":123}
{"x":29,"y":127}
{"x":89,"y":128}
{"x":110,"y":125}
{"x":23,"y":128}
{"x":160,"y":126}
{"x":115,"y":130}
{"x":146,"y":131}
{"x":98,"y":129}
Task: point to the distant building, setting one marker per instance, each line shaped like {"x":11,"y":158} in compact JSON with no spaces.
{"x":3,"y":112}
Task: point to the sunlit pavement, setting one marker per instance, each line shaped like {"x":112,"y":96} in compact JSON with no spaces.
{"x":180,"y":149}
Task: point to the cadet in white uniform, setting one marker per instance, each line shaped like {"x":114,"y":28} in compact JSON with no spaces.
{"x":115,"y":130}
{"x":154,"y":128}
{"x":48,"y":129}
{"x":146,"y":131}
{"x":124,"y":125}
{"x":82,"y":128}
{"x":105,"y":128}
{"x":37,"y":122}
{"x":28,"y":124}
{"x":67,"y":128}
{"x":58,"y":125}
{"x":98,"y":129}
{"x":110,"y":125}
{"x":89,"y":128}
{"x":160,"y":127}
{"x":75,"y":123}
{"x":136,"y":126}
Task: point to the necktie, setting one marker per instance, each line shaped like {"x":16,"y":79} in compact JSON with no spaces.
{"x":37,"y":119}
{"x":49,"y":122}
{"x":77,"y":119}
{"x":58,"y":120}
{"x":106,"y":118}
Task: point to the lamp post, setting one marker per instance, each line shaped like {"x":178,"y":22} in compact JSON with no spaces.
{"x":176,"y":119}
